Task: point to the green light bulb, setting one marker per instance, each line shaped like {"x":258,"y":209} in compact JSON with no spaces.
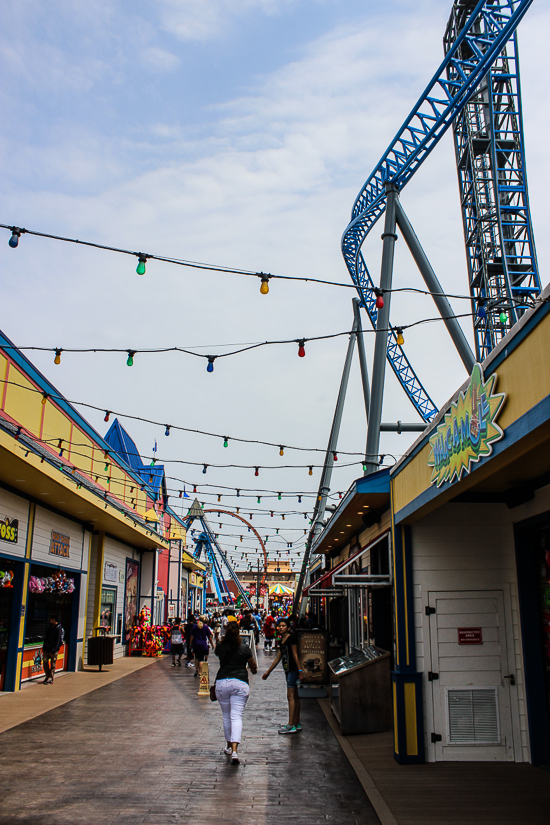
{"x":130,"y":360}
{"x":225,"y":443}
{"x":141,"y":266}
{"x":503,"y":317}
{"x":279,"y":496}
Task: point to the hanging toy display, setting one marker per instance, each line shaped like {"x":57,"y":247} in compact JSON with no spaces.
{"x":6,"y":578}
{"x":58,"y":583}
{"x":148,"y":639}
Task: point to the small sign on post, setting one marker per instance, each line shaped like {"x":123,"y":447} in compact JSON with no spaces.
{"x":204,"y":681}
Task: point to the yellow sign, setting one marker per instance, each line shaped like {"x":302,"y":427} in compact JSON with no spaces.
{"x":204,"y":683}
{"x":468,"y":430}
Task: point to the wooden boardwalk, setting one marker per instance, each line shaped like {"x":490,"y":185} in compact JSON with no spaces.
{"x":448,"y":793}
{"x":147,"y":749}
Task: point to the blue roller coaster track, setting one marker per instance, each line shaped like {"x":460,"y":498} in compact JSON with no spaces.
{"x":477,"y":37}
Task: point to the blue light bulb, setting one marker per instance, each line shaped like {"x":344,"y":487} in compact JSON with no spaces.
{"x":14,"y":240}
{"x":210,"y":367}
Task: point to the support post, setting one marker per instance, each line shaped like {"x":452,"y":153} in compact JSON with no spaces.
{"x":324,"y":484}
{"x":382,"y":327}
{"x":430,"y":279}
{"x":362,"y":357}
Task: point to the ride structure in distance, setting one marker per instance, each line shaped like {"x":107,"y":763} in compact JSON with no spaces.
{"x":476,"y":90}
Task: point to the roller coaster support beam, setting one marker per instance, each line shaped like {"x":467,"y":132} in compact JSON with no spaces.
{"x":324,"y":484}
{"x":403,"y":428}
{"x":362,"y":357}
{"x":382,"y":326}
{"x":430,"y":278}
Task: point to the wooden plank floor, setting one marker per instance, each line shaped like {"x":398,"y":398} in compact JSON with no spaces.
{"x":455,"y":793}
{"x":147,"y":749}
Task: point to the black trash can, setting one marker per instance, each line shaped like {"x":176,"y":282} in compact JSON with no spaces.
{"x":101,"y":649}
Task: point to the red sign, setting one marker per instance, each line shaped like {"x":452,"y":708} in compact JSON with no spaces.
{"x":470,"y":636}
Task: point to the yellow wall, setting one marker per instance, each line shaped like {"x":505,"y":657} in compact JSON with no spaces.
{"x":23,"y":403}
{"x":525,"y":378}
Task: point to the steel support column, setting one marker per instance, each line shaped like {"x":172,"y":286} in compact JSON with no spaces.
{"x":430,"y":279}
{"x":324,"y":484}
{"x":382,"y":328}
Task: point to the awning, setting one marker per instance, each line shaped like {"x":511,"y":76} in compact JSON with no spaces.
{"x":362,"y":506}
{"x":338,"y":579}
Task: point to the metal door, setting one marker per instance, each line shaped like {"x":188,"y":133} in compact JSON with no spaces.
{"x":470,"y":677}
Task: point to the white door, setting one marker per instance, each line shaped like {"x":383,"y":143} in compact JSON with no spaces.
{"x":469,"y":677}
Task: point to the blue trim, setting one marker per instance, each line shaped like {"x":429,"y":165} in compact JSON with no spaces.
{"x":521,"y":427}
{"x":400,"y":680}
{"x":404,"y":600}
{"x":57,"y":398}
{"x":489,"y":366}
{"x":495,"y":361}
{"x":375,"y":483}
{"x":75,"y":612}
{"x":15,"y":624}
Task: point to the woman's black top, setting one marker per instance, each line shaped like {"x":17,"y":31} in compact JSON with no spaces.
{"x":233,"y":662}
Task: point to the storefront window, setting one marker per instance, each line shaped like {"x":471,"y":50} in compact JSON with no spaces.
{"x":107,"y":612}
{"x":543,"y":569}
{"x":6,"y":597}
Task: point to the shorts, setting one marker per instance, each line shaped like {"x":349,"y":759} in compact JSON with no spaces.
{"x":292,"y":678}
{"x":200,"y":655}
{"x":176,"y":649}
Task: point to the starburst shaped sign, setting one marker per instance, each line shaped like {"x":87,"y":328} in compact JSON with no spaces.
{"x":468,"y":430}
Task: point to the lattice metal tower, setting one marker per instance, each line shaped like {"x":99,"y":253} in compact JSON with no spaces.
{"x":490,"y":157}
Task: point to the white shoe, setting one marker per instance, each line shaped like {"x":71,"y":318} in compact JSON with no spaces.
{"x":235,"y":758}
{"x":227,"y":751}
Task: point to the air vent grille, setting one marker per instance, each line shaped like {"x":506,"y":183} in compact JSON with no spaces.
{"x":473,"y":717}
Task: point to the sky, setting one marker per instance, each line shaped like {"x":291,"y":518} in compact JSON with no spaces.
{"x":235,"y":133}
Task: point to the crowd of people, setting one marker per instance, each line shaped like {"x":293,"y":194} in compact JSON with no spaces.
{"x":221,"y":632}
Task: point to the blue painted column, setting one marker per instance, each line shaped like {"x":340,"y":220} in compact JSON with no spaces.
{"x":408,"y":717}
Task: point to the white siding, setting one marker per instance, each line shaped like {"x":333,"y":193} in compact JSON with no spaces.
{"x":45,"y":522}
{"x":115,"y":553}
{"x":12,"y":506}
{"x":464,"y":547}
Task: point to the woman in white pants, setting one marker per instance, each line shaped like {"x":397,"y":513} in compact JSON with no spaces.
{"x":232,"y":689}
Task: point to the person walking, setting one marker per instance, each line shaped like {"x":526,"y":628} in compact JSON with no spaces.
{"x":176,"y":641}
{"x":269,"y":631}
{"x":200,"y":641}
{"x":50,"y":648}
{"x":232,"y":688}
{"x":188,"y":627}
{"x":288,"y":652}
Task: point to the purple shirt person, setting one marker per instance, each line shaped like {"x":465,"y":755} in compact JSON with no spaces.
{"x":201,"y":641}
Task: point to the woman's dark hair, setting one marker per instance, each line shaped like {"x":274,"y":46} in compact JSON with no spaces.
{"x":232,"y":637}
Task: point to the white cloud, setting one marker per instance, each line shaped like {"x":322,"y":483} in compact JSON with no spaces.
{"x":269,"y":184}
{"x":206,"y":19}
{"x":160,"y":60}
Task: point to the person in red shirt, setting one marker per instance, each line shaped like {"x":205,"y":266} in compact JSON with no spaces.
{"x":269,"y":631}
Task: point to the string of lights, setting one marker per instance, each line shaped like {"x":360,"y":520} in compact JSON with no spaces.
{"x":169,"y":427}
{"x":265,"y":277}
{"x":301,"y":342}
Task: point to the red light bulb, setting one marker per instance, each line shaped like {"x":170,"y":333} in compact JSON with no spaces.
{"x":301,"y":348}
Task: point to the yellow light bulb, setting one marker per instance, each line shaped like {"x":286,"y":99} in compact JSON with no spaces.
{"x":57,"y":359}
{"x":264,"y":289}
{"x":281,"y":451}
{"x":44,"y":399}
{"x":400,"y":339}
